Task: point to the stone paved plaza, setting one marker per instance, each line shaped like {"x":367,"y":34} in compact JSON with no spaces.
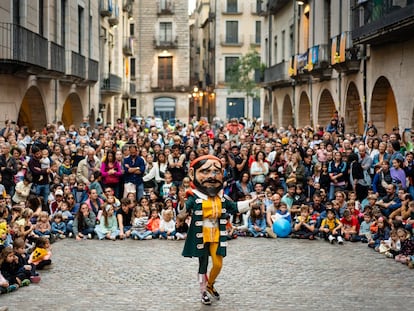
{"x":258,"y":274}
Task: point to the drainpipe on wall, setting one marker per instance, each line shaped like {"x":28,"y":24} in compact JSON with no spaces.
{"x":56,"y":101}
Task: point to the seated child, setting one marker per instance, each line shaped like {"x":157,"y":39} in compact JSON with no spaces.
{"x":154,"y":223}
{"x":108,"y":224}
{"x":331,"y":227}
{"x":139,"y":222}
{"x":42,"y":227}
{"x":382,"y":233}
{"x":304,"y":227}
{"x":407,"y":246}
{"x":23,"y":260}
{"x":11,"y":270}
{"x":392,"y":246}
{"x":58,"y":226}
{"x":364,"y":234}
{"x":256,"y":223}
{"x":349,"y":226}
{"x":5,"y":237}
{"x":41,"y":256}
{"x":181,"y":227}
{"x":167,"y":225}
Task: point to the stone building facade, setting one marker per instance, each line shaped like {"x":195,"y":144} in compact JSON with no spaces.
{"x":49,"y":53}
{"x":162,"y":59}
{"x":346,"y":56}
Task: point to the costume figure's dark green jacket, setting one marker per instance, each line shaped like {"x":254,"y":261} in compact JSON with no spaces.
{"x":194,"y":246}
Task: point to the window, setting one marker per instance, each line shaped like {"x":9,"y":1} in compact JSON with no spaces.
{"x":275,"y":60}
{"x":80,"y":29}
{"x":133,"y":107}
{"x":258,"y":32}
{"x":131,"y":30}
{"x":63,"y":22}
{"x":231,"y":6}
{"x":165,"y":72}
{"x":283,"y":44}
{"x":165,"y":32}
{"x":291,"y":41}
{"x":132,"y":68}
{"x":16,"y":12}
{"x":41,"y":24}
{"x":229,"y":62}
{"x":232,"y":32}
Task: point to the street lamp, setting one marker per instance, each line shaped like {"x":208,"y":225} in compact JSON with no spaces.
{"x":196,"y":97}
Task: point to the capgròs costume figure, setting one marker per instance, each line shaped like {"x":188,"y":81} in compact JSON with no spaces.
{"x":208,"y":208}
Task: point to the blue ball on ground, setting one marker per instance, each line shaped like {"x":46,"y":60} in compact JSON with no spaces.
{"x":282,"y":227}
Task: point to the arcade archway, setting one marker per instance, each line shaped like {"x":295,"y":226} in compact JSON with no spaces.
{"x":304,"y":111}
{"x":383,"y":110}
{"x":32,"y":111}
{"x":72,"y":112}
{"x":287,"y":114}
{"x":326,"y":108}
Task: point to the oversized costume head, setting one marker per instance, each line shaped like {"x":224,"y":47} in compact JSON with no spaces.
{"x":206,"y":174}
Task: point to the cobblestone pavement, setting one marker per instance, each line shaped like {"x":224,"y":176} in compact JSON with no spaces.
{"x":259,"y":274}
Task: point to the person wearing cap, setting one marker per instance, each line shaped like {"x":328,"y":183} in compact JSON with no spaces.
{"x":209,"y":208}
{"x":55,"y":205}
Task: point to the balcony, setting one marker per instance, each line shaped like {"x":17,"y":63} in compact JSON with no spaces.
{"x":231,"y":40}
{"x":128,"y":46}
{"x":232,"y":9}
{"x":255,"y":40}
{"x":165,"y":7}
{"x":21,"y":50}
{"x":105,"y":8}
{"x":75,"y":67}
{"x":345,"y":56}
{"x":274,"y":6}
{"x":93,"y":70}
{"x":380,"y":22}
{"x":113,"y":19}
{"x":163,"y":43}
{"x":319,"y":61}
{"x":57,"y":59}
{"x":277,"y":75}
{"x":299,"y":67}
{"x":111,"y":84}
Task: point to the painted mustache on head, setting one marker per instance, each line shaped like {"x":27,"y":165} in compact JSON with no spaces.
{"x":212,"y":181}
{"x":209,"y":190}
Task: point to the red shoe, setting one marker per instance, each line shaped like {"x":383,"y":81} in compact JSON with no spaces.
{"x":35,"y":278}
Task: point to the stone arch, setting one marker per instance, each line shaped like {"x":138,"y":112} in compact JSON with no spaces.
{"x":354,"y":117}
{"x":304,"y":111}
{"x":72,"y":112}
{"x":326,"y":108}
{"x":383,"y":110}
{"x":275,"y":112}
{"x":32,"y":111}
{"x":287,"y":112}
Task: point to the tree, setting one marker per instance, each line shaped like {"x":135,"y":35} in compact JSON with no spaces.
{"x":242,"y":76}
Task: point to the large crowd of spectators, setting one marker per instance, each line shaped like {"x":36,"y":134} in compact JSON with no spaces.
{"x":130,"y":180}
